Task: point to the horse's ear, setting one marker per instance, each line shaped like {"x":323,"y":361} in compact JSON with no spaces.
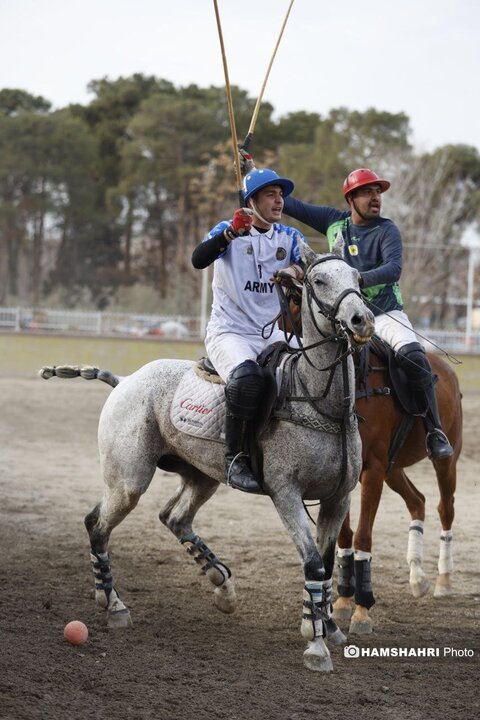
{"x":308,"y":256}
{"x":339,"y":245}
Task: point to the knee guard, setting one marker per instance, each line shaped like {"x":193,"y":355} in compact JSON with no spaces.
{"x":244,"y":390}
{"x":413,"y":360}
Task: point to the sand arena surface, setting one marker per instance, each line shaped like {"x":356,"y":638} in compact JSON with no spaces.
{"x":183,"y":659}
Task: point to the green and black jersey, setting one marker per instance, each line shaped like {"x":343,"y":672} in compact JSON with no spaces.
{"x":375,"y":250}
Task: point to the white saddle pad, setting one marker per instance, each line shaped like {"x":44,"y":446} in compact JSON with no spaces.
{"x":198,"y":407}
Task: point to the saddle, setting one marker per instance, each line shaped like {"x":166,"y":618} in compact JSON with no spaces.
{"x":398,"y":378}
{"x":269,"y":359}
{"x":399,"y":388}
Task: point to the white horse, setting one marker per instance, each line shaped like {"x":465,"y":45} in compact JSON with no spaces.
{"x":312,"y":453}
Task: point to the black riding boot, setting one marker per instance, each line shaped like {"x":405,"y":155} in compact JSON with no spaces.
{"x":415,"y":363}
{"x":243,"y":394}
{"x":438,"y":446}
{"x":238,"y":473}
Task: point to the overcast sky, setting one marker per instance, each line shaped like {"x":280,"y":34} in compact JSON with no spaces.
{"x":421,"y":57}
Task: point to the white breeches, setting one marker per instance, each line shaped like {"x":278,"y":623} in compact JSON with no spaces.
{"x":228,"y":350}
{"x":389,"y":330}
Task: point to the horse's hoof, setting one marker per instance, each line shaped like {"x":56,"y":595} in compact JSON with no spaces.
{"x":225,"y":598}
{"x":342,"y":613}
{"x":317,"y":663}
{"x":361,"y":627}
{"x":420,"y":587}
{"x":442,"y":591}
{"x":337,"y":637}
{"x":119,"y":619}
{"x":342,"y":609}
{"x":443,"y":586}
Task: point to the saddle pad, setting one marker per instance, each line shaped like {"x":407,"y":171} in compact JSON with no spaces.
{"x":198,"y":407}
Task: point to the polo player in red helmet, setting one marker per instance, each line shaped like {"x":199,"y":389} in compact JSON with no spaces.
{"x":373,"y":245}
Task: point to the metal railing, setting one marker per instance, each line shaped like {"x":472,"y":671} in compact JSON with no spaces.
{"x":31,"y":320}
{"x":37,"y":320}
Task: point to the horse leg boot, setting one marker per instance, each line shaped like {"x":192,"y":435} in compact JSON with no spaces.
{"x":317,"y":590}
{"x":243,"y":394}
{"x":361,"y":623}
{"x":419,"y":583}
{"x":178,"y":515}
{"x":343,"y":606}
{"x":106,"y":594}
{"x":398,"y":481}
{"x":331,"y":517}
{"x":413,"y":360}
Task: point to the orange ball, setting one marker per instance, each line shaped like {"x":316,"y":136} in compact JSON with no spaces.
{"x":76,"y":632}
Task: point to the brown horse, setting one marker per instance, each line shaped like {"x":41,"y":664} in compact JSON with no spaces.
{"x":382,"y":415}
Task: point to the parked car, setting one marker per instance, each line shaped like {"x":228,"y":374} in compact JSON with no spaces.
{"x":169,"y":329}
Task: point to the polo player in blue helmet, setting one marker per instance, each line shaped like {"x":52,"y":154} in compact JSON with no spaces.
{"x":247,"y":252}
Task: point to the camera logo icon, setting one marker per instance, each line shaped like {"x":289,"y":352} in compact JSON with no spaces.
{"x":351,"y":651}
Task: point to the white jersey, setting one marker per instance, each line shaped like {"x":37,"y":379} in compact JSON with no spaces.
{"x":244,"y":297}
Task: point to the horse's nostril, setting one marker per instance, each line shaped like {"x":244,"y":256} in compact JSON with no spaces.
{"x":357,"y":320}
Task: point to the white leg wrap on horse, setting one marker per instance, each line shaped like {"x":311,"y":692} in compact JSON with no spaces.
{"x":362,"y":555}
{"x":344,"y":552}
{"x":317,"y":608}
{"x":419,"y":583}
{"x":415,"y":542}
{"x":445,"y":558}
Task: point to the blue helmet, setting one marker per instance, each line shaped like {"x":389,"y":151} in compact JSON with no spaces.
{"x":258,"y":179}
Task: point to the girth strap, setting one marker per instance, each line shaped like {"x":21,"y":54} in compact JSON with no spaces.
{"x":371,"y":392}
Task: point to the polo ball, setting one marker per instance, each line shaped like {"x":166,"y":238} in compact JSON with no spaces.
{"x":76,"y":632}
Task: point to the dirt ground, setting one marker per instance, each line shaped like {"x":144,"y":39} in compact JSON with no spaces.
{"x":183,"y":659}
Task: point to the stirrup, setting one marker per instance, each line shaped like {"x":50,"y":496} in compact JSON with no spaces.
{"x":444,"y":452}
{"x":250,"y":485}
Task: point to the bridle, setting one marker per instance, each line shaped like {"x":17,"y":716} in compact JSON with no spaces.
{"x":339,"y":332}
{"x":338,"y":335}
{"x":327,"y":310}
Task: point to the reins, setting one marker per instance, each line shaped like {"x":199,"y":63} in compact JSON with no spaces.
{"x":454,"y":360}
{"x":327,"y":310}
{"x":339,"y":335}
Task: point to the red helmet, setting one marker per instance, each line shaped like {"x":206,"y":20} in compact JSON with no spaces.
{"x":360,"y":177}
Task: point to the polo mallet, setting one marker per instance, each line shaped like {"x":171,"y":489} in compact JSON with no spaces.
{"x":230,"y":109}
{"x":251,"y":129}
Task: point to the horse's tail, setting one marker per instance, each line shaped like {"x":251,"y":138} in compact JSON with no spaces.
{"x":86,"y":371}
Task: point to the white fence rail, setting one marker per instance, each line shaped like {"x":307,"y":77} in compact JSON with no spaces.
{"x":31,"y":320}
